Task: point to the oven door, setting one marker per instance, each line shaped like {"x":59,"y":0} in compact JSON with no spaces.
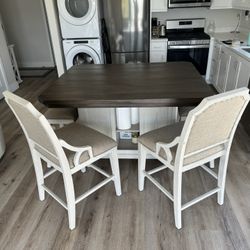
{"x":188,"y":3}
{"x":196,"y":54}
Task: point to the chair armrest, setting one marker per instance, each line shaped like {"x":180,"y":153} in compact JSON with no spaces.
{"x":166,"y":147}
{"x":78,"y":151}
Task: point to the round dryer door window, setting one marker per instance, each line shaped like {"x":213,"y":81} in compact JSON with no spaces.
{"x":77,"y":12}
{"x":83,"y":58}
{"x":82,"y":54}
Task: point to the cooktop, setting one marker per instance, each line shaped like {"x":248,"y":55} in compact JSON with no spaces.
{"x":184,"y":35}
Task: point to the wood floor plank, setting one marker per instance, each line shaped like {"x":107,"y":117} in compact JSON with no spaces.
{"x":136,"y":220}
{"x":14,"y":166}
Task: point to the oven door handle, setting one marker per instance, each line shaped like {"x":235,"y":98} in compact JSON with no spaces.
{"x":188,"y":46}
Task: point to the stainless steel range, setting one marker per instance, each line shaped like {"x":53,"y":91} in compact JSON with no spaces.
{"x":187,"y":41}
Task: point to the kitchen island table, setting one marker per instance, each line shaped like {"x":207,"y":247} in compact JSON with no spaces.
{"x":157,"y":89}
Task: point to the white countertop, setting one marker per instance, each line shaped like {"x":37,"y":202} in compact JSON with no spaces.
{"x":241,"y":52}
{"x":230,"y":36}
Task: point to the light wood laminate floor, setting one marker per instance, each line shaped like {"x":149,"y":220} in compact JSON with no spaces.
{"x":136,"y":220}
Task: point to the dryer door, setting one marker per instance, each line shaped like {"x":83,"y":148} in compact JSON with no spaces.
{"x":82,"y":54}
{"x":77,"y":12}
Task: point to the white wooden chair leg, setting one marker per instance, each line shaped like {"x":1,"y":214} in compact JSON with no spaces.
{"x":141,"y":167}
{"x":39,"y":175}
{"x":70,"y":197}
{"x":211,"y":164}
{"x":116,"y":171}
{"x":177,"y":199}
{"x":222,"y":178}
{"x":49,"y":166}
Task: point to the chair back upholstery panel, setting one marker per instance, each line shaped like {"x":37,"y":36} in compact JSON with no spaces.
{"x":37,"y":130}
{"x":34,"y":129}
{"x":210,"y":124}
{"x":214,"y":124}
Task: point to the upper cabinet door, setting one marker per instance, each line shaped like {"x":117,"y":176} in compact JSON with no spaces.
{"x":241,"y":4}
{"x":222,"y":4}
{"x":159,"y":5}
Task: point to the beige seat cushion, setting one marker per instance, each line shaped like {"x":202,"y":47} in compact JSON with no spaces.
{"x":78,"y":135}
{"x":61,"y":114}
{"x":168,"y":134}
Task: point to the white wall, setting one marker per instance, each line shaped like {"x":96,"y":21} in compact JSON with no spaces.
{"x":225,"y":20}
{"x":25,"y":26}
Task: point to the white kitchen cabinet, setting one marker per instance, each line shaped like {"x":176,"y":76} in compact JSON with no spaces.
{"x":231,"y":4}
{"x":244,"y":74}
{"x":224,"y":63}
{"x":241,"y":4}
{"x":213,"y":62}
{"x":157,"y":57}
{"x":228,"y":69}
{"x":159,"y":5}
{"x":221,"y":4}
{"x":158,"y":51}
{"x":233,"y":73}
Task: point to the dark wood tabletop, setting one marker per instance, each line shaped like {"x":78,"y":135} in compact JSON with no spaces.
{"x":128,"y":85}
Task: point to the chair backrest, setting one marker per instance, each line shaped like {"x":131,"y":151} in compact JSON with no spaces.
{"x":37,"y":129}
{"x":212,"y":124}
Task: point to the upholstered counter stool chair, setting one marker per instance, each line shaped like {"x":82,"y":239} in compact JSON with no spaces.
{"x":183,"y":114}
{"x":206,"y":135}
{"x":59,"y":117}
{"x":68,"y":150}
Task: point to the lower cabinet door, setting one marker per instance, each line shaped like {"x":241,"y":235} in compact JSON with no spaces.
{"x":244,"y":75}
{"x":158,"y":56}
{"x":214,"y":72}
{"x":233,"y":74}
{"x":223,"y":71}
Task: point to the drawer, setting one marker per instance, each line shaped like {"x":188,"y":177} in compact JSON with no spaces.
{"x":159,"y":45}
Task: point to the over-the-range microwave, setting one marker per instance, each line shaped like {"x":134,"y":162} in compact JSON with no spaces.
{"x":188,"y":3}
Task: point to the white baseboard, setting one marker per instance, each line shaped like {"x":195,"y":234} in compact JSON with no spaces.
{"x":36,"y":64}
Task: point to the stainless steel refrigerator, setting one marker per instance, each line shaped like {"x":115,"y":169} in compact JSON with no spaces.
{"x":127,"y":24}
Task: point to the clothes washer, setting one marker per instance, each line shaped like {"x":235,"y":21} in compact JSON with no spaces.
{"x":79,"y":18}
{"x":82,"y":51}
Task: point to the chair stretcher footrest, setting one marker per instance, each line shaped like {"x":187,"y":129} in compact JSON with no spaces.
{"x":93,"y":189}
{"x":200,"y":198}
